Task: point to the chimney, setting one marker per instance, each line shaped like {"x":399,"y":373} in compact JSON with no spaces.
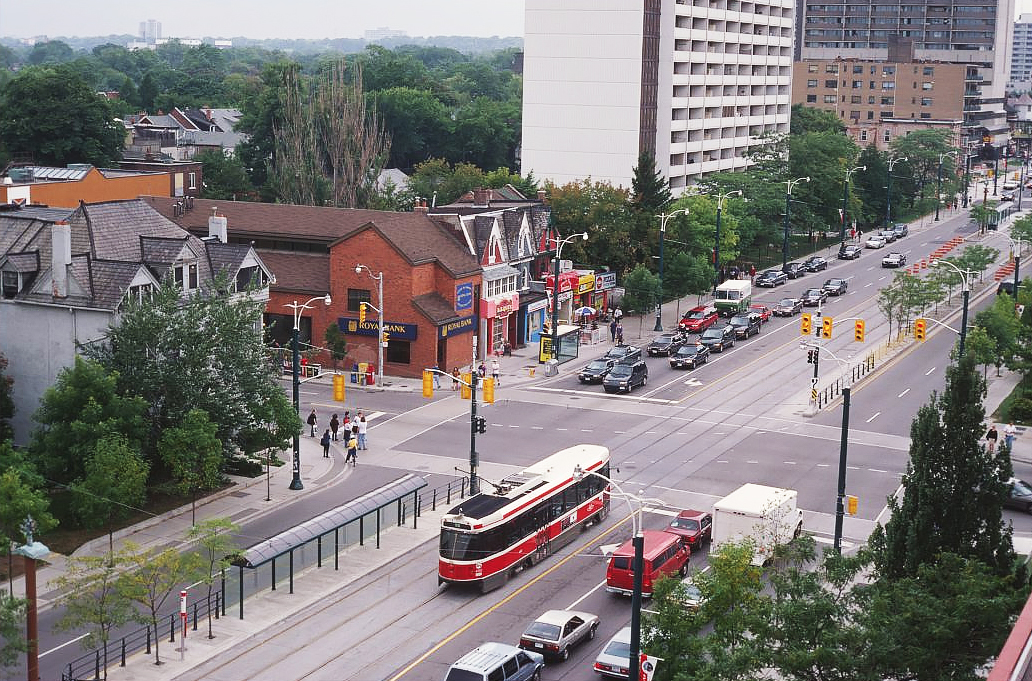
{"x":541,"y":195}
{"x":61,"y":256}
{"x":481,"y":197}
{"x":420,"y":207}
{"x":217,"y":226}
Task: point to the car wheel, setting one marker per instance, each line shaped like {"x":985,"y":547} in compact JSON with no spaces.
{"x":644,"y":381}
{"x":564,"y":654}
{"x":1028,"y":508}
{"x":537,"y":675}
{"x":591,"y":632}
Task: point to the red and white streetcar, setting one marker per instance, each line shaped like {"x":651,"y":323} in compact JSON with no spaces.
{"x":530,"y":514}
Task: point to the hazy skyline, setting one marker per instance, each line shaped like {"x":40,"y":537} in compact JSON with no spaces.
{"x":262,"y":18}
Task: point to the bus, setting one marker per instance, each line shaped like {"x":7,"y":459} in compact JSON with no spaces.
{"x":492,"y":535}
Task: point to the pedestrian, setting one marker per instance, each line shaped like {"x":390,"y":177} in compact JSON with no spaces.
{"x":1009,"y":433}
{"x":437,"y":376}
{"x":496,"y":371}
{"x":334,"y":427}
{"x":362,"y":426}
{"x":482,"y":370}
{"x":618,"y":315}
{"x":346,"y":423}
{"x":752,"y":273}
{"x":619,"y":334}
{"x":325,"y":442}
{"x":858,"y":235}
{"x":313,"y":420}
{"x":455,"y":378}
{"x":990,"y":436}
{"x":352,"y":454}
{"x":612,"y":331}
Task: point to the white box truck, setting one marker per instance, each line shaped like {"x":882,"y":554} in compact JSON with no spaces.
{"x":732,"y":297}
{"x":766,"y":515}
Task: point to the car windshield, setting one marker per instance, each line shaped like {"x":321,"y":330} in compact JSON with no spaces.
{"x":739,"y":321}
{"x":618,"y":649}
{"x":712,"y":333}
{"x":665,"y":339}
{"x":1020,"y":487}
{"x":786,"y":302}
{"x":834,"y":282}
{"x":549,"y":632}
{"x":813,"y":292}
{"x":597,"y":364}
{"x":688,"y":350}
{"x":697,"y":314}
{"x":621,"y":370}
{"x":685,"y":524}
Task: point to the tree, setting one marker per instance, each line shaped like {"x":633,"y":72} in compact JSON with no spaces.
{"x":953,"y":488}
{"x":114,"y":484}
{"x":91,"y":600}
{"x":12,"y":628}
{"x":50,"y":52}
{"x":1001,"y":325}
{"x":20,"y":500}
{"x":262,"y":110}
{"x":6,"y":401}
{"x":602,"y":211}
{"x":53,"y":114}
{"x":869,"y":187}
{"x":295,"y":170}
{"x":982,"y":348}
{"x":147,"y":92}
{"x":807,"y":119}
{"x":337,"y":343}
{"x":641,"y":290}
{"x":150,"y":578}
{"x":225,"y":177}
{"x":922,"y":149}
{"x":485,"y":132}
{"x":417,"y":122}
{"x":193,"y":453}
{"x":216,"y":553}
{"x":650,"y":193}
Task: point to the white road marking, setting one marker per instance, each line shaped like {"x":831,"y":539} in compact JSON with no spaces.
{"x":650,"y":432}
{"x":693,"y":382}
{"x":619,"y":432}
{"x":852,"y":468}
{"x":66,"y":643}
{"x":593,"y":590}
{"x":876,"y":470}
{"x":903,"y":393}
{"x":498,"y":425}
{"x":871,"y":284}
{"x":823,"y":465}
{"x":752,"y":461}
{"x":586,"y":430}
{"x":536,"y":428}
{"x":562,"y":428}
{"x":876,"y":415}
{"x":374,"y":415}
{"x":603,"y":395}
{"x":660,"y":511}
{"x":790,"y":463}
{"x":869,"y":269}
{"x":882,"y":278}
{"x":722,"y":461}
{"x":680,"y":433}
{"x":929,"y":371}
{"x":511,"y":426}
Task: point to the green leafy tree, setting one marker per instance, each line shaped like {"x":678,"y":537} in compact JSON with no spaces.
{"x":602,"y":211}
{"x":216,"y":552}
{"x":417,"y":121}
{"x":20,"y":499}
{"x":869,"y":187}
{"x":114,"y":484}
{"x":485,"y":132}
{"x":953,"y":488}
{"x":6,"y":401}
{"x":982,"y":348}
{"x":225,"y":177}
{"x":807,"y":119}
{"x":50,"y":52}
{"x":337,"y":343}
{"x":922,"y":148}
{"x":262,"y":110}
{"x":193,"y":453}
{"x":150,"y":578}
{"x":84,"y":406}
{"x":824,"y":157}
{"x":12,"y":628}
{"x":147,"y":92}
{"x":53,"y":114}
{"x":1001,"y":325}
{"x":641,"y":290}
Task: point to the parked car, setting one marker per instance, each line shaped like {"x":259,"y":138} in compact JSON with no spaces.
{"x":835,"y":286}
{"x":717,"y":339}
{"x":900,"y":228}
{"x":794,"y":270}
{"x":626,"y":376}
{"x":556,"y":631}
{"x":894,"y":260}
{"x":596,"y":370}
{"x":1020,"y":497}
{"x":695,"y":526}
{"x":888,"y":234}
{"x":814,"y":296}
{"x":1006,"y":196}
{"x":771,"y":278}
{"x":787,"y":307}
{"x":1006,"y":287}
{"x":689,"y":356}
{"x":815,"y":264}
{"x":665,"y":344}
{"x":876,"y":241}
{"x":689,"y":594}
{"x":623,"y":354}
{"x":615,"y":656}
{"x":745,"y":325}
{"x":761,"y":310}
{"x":849,"y":252}
{"x":698,"y":319}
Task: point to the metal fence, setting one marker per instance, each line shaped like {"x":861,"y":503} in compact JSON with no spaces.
{"x":834,"y":389}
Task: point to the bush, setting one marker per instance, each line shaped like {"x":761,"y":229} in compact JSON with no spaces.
{"x":1019,"y":410}
{"x":247,"y":468}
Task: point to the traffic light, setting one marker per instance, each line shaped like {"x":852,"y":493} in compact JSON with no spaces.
{"x":920,"y":326}
{"x":466,"y":393}
{"x":826,"y":327}
{"x":338,"y":387}
{"x":481,"y":424}
{"x":428,"y":383}
{"x":851,"y":504}
{"x":806,"y":324}
{"x":858,"y":331}
{"x":811,"y":356}
{"x":361,"y":313}
{"x":489,"y":387}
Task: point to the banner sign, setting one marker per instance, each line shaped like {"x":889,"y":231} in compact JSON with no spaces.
{"x":463,"y":325}
{"x":586,"y":284}
{"x":397,"y":330}
{"x":463,"y":297}
{"x":605,"y":281}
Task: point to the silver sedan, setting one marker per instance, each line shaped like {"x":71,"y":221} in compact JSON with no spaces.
{"x":556,"y":631}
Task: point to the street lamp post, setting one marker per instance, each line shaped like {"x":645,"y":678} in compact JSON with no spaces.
{"x":845,"y":199}
{"x":663,"y":218}
{"x":559,"y":243}
{"x":966,"y":292}
{"x":788,"y":208}
{"x":380,"y":311}
{"x":967,"y":175}
{"x":888,"y":190}
{"x":938,"y":182}
{"x":637,"y":565}
{"x":716,"y":247}
{"x":295,"y":482}
{"x":996,"y":167}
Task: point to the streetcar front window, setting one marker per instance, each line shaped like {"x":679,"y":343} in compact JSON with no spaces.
{"x":455,"y":544}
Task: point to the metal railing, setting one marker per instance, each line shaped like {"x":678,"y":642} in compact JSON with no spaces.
{"x":834,"y":389}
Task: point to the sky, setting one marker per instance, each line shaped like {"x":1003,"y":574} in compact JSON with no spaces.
{"x":263,"y":18}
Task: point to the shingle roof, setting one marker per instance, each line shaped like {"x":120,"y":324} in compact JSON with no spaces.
{"x":301,"y":272}
{"x":435,"y":307}
{"x":24,"y":262}
{"x":418,"y":237}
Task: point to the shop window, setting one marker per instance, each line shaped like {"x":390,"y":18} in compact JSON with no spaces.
{"x":498,"y":333}
{"x":357,"y":296}
{"x":398,"y":352}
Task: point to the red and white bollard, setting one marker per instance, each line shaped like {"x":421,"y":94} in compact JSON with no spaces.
{"x":182,"y":617}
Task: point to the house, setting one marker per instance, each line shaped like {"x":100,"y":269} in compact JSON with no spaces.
{"x":67,"y":187}
{"x":183,"y":133}
{"x":431,"y":281}
{"x":67,"y":272}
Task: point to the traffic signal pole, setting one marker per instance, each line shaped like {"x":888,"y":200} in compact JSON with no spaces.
{"x":840,"y":511}
{"x":474,"y":458}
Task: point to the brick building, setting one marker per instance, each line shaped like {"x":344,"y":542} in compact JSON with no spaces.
{"x":431,"y":280}
{"x":66,"y":187}
{"x":185,"y":178}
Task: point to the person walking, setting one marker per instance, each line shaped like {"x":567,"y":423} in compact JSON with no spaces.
{"x":619,"y":334}
{"x":352,"y":454}
{"x":455,"y":378}
{"x":325,"y":442}
{"x":313,"y":421}
{"x":437,"y":376}
{"x":752,"y":274}
{"x":991,"y":436}
{"x":612,"y":331}
{"x":362,"y":426}
{"x":1009,"y":433}
{"x":618,"y":315}
{"x":496,"y":372}
{"x":334,"y":427}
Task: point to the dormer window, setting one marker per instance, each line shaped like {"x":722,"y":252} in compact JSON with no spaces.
{"x":140,"y":293}
{"x":11,"y":284}
{"x":186,"y":276}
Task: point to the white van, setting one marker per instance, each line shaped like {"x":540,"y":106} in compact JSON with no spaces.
{"x":497,"y":662}
{"x":732,"y":297}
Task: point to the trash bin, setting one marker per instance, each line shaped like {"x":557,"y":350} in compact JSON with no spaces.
{"x":363,"y":367}
{"x":370,"y":376}
{"x":354,"y":373}
{"x":552,"y":367}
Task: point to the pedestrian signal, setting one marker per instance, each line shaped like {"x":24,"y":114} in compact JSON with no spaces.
{"x":489,"y":388}
{"x":920,"y":326}
{"x":826,"y":327}
{"x":361,"y":313}
{"x":338,"y":387}
{"x":851,"y":504}
{"x":466,"y":393}
{"x":481,"y":424}
{"x":806,"y":324}
{"x":428,"y":384}
{"x":858,"y":331}
{"x":811,"y":356}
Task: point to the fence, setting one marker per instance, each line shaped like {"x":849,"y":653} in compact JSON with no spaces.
{"x":834,"y":389}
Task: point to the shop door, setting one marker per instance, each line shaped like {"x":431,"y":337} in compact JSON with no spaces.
{"x":442,"y":354}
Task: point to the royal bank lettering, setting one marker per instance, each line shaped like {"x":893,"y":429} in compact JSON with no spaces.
{"x":397,"y":330}
{"x":459,"y":326}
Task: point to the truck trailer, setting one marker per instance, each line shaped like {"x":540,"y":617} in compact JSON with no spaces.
{"x":767,"y":516}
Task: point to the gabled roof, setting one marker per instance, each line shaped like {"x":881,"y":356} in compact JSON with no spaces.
{"x":436,"y":308}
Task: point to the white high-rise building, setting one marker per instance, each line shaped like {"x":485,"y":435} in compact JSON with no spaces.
{"x":150,"y":31}
{"x":694,"y":81}
{"x":1021,"y":60}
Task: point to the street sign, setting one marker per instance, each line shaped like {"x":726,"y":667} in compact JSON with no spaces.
{"x":813,"y":381}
